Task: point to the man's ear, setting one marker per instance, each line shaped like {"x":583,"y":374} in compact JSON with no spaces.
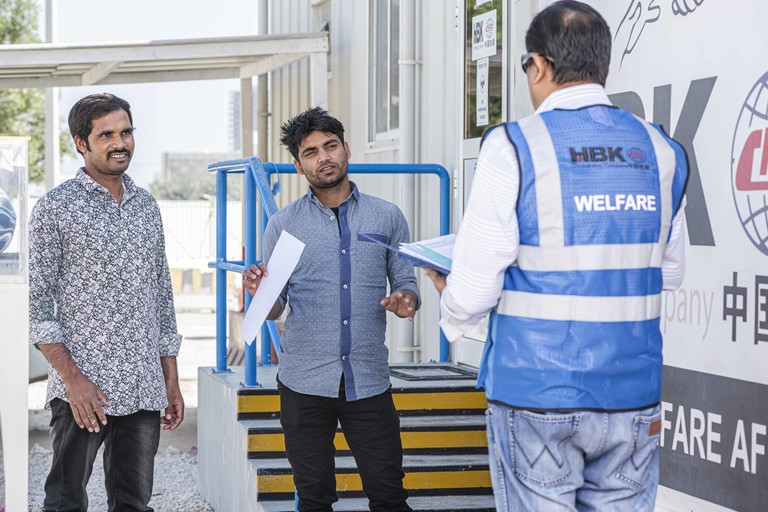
{"x":541,"y":69}
{"x":81,"y":145}
{"x":346,"y":148}
{"x":297,"y":165}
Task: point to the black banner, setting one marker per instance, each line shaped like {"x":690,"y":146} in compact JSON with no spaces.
{"x":713,"y":439}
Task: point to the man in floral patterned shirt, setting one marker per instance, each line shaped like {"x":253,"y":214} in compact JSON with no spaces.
{"x":101,"y":311}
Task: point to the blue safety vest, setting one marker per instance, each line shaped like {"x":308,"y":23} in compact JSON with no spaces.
{"x":577,"y":325}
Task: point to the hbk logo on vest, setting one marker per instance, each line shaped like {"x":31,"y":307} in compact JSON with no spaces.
{"x":596,"y":154}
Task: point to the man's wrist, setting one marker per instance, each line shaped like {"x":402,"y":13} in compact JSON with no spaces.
{"x":170,"y":370}
{"x":411,"y":295}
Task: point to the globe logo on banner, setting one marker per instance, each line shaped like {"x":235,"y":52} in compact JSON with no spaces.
{"x":7,"y":221}
{"x":749,"y":165}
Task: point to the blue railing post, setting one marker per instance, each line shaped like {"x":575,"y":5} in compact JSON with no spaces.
{"x":221,"y":274}
{"x":445,"y":228}
{"x":257,"y":178}
{"x":266,"y":332}
{"x":250,"y":258}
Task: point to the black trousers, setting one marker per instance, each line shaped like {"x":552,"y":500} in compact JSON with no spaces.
{"x":372,"y":429}
{"x":130,"y":444}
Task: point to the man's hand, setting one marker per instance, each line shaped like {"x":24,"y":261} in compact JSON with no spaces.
{"x":437,"y":278}
{"x":401,"y":303}
{"x":174,"y":413}
{"x":252,"y":277}
{"x":85,"y":400}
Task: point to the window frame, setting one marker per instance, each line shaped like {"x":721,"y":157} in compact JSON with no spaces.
{"x":391,"y":132}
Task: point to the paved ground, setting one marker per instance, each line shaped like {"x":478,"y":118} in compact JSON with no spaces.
{"x":176,"y":463}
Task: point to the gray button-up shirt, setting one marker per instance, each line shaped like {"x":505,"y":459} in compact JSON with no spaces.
{"x":336,"y":323}
{"x":99,"y":283}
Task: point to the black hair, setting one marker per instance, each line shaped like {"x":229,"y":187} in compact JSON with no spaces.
{"x":94,"y":106}
{"x":576,"y":37}
{"x":298,"y":128}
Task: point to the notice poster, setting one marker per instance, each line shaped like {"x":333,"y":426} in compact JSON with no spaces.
{"x":482,"y":92}
{"x":484,"y":35}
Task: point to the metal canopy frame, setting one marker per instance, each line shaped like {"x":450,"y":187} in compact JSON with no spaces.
{"x":67,"y":65}
{"x":87,"y":64}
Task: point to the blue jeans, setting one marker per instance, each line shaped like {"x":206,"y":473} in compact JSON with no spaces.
{"x":580,"y":461}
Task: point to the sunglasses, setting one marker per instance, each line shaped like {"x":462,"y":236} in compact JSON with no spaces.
{"x":526,"y":58}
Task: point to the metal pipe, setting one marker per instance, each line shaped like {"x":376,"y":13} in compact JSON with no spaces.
{"x":403,"y":344}
{"x":52,"y":146}
{"x":250,"y":258}
{"x":266,"y":333}
{"x":221,"y":274}
{"x":231,"y":266}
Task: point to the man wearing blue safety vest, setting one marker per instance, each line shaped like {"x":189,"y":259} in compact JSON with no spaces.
{"x":573,"y":228}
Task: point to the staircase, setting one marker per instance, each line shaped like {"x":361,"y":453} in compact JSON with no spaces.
{"x":442,"y":430}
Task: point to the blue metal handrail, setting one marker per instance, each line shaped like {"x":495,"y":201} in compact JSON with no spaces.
{"x":258,"y":177}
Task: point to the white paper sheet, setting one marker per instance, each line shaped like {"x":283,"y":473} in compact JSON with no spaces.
{"x":280,"y":266}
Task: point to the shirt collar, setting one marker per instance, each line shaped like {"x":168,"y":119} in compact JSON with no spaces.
{"x":575,"y":97}
{"x":129,"y":187}
{"x":355,"y":193}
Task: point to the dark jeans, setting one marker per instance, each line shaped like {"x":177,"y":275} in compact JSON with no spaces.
{"x":372,"y":429}
{"x":130,"y":443}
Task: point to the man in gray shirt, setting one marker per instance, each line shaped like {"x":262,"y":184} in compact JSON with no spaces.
{"x":101,"y":311}
{"x":333,"y":361}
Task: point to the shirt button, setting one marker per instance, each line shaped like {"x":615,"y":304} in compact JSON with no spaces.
{"x":345,"y":287}
{"x":332,"y":217}
{"x":343,"y":251}
{"x":344,"y":322}
{"x":343,"y":358}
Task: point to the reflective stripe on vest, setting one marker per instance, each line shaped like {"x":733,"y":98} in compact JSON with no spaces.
{"x":579,"y":309}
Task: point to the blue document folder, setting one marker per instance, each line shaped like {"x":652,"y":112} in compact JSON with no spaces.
{"x":434,"y":253}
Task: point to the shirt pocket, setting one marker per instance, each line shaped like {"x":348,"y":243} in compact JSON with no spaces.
{"x":369,"y":259}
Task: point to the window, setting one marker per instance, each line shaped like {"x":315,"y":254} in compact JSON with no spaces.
{"x":483,"y":80}
{"x":384,"y":71}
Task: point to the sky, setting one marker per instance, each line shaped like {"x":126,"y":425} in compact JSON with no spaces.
{"x":171,"y":116}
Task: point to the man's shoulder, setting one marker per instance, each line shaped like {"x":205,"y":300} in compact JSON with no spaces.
{"x":287,"y":213}
{"x":61,"y":194}
{"x":295,"y":206}
{"x":373,"y":202}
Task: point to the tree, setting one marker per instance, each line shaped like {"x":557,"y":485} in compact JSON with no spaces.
{"x":22,"y":111}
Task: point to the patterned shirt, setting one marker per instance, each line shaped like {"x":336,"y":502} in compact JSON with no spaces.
{"x":336,"y":324}
{"x":99,"y":283}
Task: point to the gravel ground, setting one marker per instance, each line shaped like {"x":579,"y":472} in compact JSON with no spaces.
{"x":175,"y":486}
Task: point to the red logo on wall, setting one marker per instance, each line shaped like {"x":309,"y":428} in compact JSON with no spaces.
{"x":749,"y":165}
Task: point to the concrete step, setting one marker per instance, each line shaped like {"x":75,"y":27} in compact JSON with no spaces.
{"x":425,"y":475}
{"x":255,"y":404}
{"x":417,"y":503}
{"x":423,"y":389}
{"x":464,"y":434}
